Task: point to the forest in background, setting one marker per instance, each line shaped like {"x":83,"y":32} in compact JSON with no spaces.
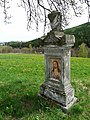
{"x":81,"y":46}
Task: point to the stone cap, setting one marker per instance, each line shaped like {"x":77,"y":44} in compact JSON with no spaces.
{"x":70,"y":39}
{"x":59,"y":38}
{"x":54,"y":37}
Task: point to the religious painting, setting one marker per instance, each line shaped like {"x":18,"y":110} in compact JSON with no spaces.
{"x":55,"y":69}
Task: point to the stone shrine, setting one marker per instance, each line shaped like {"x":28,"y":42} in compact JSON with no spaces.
{"x":57,"y":53}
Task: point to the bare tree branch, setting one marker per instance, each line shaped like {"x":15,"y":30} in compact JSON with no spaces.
{"x":38,"y":1}
{"x":37,"y":10}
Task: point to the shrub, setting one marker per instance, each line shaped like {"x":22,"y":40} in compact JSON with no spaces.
{"x":6,"y":49}
{"x":16,"y":50}
{"x":83,"y":51}
{"x":30,"y":48}
{"x":74,"y":52}
{"x":25,"y":50}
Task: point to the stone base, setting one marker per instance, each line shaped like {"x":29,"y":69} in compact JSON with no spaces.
{"x":64,"y":108}
{"x":62,"y":96}
{"x":57,"y":92}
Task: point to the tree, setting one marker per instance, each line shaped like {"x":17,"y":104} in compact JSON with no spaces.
{"x":37,"y":10}
{"x":30,"y":48}
{"x":83,"y":51}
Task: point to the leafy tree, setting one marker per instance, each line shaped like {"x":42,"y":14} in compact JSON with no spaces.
{"x":14,"y":44}
{"x":37,"y":10}
{"x":30,"y":48}
{"x":83,"y":51}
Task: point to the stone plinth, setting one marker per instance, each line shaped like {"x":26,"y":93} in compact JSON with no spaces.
{"x":58,"y":88}
{"x":57,"y":85}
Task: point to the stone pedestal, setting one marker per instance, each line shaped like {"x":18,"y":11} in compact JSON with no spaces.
{"x":57,"y":85}
{"x":57,"y":53}
{"x":58,"y":88}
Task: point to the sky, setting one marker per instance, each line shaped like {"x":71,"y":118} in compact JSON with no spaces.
{"x":17,"y":30}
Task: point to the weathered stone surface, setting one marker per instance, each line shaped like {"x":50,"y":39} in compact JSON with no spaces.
{"x":55,"y":18}
{"x":59,"y":39}
{"x":57,"y":54}
{"x":59,"y":90}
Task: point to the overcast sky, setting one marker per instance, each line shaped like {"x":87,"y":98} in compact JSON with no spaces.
{"x":17,"y":30}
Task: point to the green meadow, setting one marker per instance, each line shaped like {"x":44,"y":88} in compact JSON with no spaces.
{"x":20,"y":78}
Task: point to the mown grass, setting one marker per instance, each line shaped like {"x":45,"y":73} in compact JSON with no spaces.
{"x":20,"y":78}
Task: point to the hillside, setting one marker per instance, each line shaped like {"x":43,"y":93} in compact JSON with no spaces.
{"x":81,"y":32}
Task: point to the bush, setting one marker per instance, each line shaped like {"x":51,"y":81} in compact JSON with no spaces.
{"x":83,"y":51}
{"x":6,"y":49}
{"x":16,"y":50}
{"x":25,"y":50}
{"x":30,"y":48}
{"x":74,"y":52}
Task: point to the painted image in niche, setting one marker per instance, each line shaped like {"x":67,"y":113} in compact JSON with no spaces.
{"x":55,"y":68}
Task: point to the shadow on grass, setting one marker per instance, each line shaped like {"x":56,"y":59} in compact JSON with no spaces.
{"x":21,"y":99}
{"x":18,"y":106}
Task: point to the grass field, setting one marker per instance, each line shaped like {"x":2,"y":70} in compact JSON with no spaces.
{"x":20,"y":78}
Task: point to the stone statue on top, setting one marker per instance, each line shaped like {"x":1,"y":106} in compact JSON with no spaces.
{"x":55,"y":18}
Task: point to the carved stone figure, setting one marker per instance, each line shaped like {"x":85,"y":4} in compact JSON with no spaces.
{"x":55,"y":18}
